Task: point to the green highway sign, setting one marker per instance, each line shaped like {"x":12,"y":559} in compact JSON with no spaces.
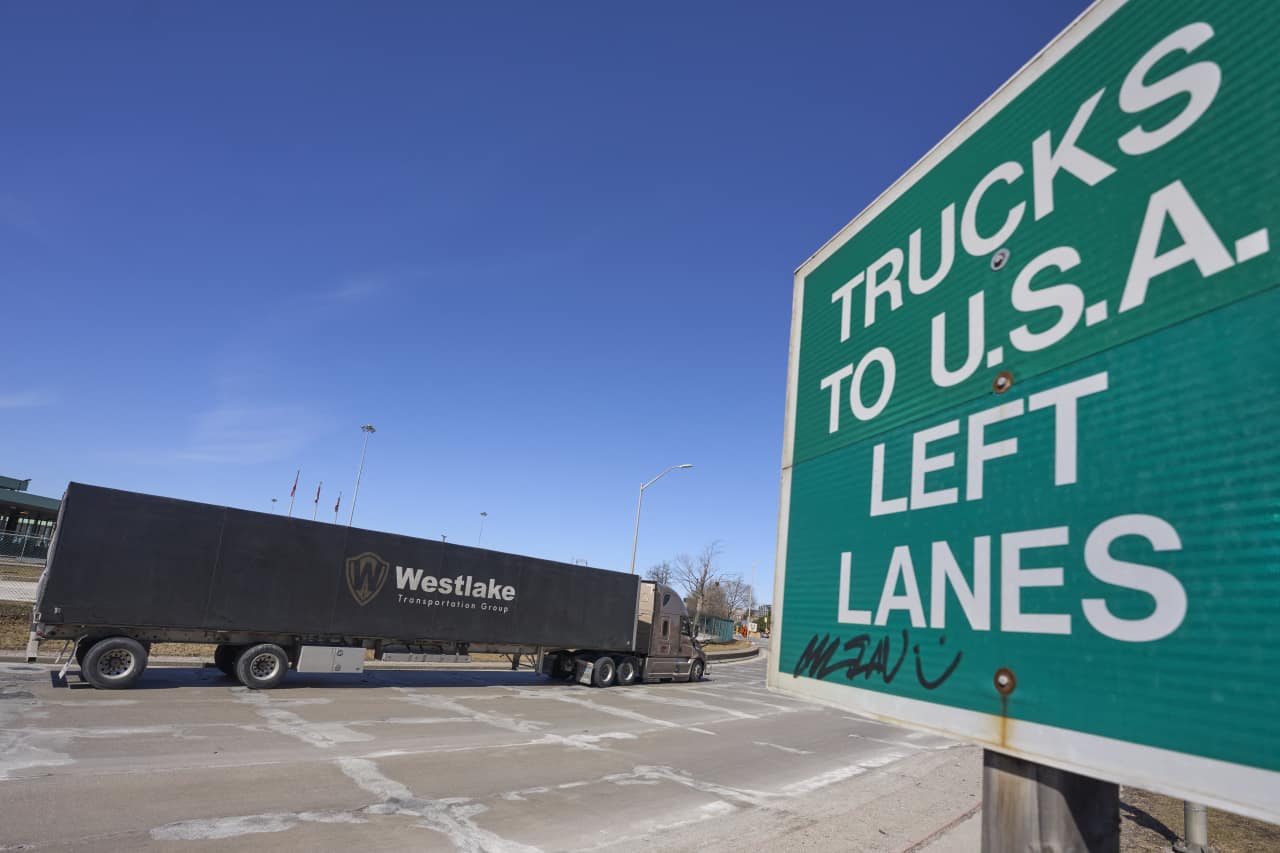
{"x":1031,"y":473}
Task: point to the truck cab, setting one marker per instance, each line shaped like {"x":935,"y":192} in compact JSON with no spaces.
{"x":665,"y":648}
{"x":664,"y":633}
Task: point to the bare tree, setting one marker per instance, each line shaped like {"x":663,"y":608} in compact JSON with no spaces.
{"x":712,"y":603}
{"x":738,"y":597}
{"x":698,"y":575}
{"x":661,"y":572}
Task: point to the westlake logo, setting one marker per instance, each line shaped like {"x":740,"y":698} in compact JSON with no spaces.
{"x":366,"y":573}
{"x":463,"y":586}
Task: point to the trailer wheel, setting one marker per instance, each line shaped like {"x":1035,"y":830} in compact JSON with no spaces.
{"x":628,"y":671}
{"x":604,"y":671}
{"x":224,"y":658}
{"x":262,"y":667}
{"x":114,"y":663}
{"x":695,"y":671}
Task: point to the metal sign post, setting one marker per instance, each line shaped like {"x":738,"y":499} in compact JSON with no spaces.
{"x":1028,"y":806}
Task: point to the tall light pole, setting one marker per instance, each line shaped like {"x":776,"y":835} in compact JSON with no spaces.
{"x":635,"y":539}
{"x":368,"y":431}
{"x":480,"y":538}
{"x":273,"y":506}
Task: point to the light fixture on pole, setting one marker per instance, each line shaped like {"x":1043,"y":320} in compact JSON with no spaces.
{"x":635,"y":539}
{"x":273,"y":506}
{"x":368,"y":431}
{"x":483,"y":516}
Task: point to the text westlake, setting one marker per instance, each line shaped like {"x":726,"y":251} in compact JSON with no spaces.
{"x":463,"y":586}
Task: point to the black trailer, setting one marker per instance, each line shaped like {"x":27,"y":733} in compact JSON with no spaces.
{"x":126,"y":570}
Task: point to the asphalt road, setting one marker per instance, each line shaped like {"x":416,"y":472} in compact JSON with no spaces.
{"x":481,"y":760}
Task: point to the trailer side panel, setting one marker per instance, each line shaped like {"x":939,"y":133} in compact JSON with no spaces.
{"x":126,"y":559}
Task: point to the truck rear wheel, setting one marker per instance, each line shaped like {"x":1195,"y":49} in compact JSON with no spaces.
{"x":224,"y":658}
{"x":628,"y":671}
{"x":262,"y":667}
{"x":602,"y":674}
{"x":114,"y":663}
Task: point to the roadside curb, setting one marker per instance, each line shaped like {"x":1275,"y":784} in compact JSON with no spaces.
{"x":727,"y":656}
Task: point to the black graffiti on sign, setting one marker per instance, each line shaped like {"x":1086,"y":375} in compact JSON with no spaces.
{"x":868,"y":659}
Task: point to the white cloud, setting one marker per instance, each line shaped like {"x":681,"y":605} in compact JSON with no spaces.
{"x":25,"y":399}
{"x":244,"y":434}
{"x":357,"y":289}
{"x":237,"y":434}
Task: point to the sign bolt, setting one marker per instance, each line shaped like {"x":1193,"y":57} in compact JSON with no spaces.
{"x":1005,"y":681}
{"x":1000,"y":259}
{"x":1004,"y":381}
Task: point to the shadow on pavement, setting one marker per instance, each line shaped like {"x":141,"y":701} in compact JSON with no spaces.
{"x":176,"y":678}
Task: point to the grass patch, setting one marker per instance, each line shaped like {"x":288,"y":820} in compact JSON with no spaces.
{"x":15,"y":625}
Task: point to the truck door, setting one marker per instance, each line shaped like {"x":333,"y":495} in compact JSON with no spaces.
{"x":684,"y":649}
{"x":664,"y":647}
{"x":664,"y":636}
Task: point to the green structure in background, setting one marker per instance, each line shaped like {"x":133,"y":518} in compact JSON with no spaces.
{"x":714,"y":626}
{"x":26,"y":520}
{"x":1031,"y":481}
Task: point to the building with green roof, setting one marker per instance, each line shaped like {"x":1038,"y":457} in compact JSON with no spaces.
{"x":26,"y":520}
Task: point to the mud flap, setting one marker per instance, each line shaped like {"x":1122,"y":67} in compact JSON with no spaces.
{"x":582,"y":671}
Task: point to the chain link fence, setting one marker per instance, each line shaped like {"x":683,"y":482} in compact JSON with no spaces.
{"x":17,"y":591}
{"x":21,"y":562}
{"x":24,"y":548}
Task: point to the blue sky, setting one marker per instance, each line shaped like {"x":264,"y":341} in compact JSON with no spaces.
{"x":546,"y":249}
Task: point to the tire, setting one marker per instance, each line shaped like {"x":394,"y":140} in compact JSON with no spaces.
{"x":224,"y":658}
{"x":114,"y":663}
{"x":695,"y":671}
{"x":262,"y":666}
{"x":602,"y":674}
{"x":628,"y":672}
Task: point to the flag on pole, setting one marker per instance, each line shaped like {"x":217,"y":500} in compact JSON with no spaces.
{"x":318,"y":491}
{"x":316,"y":511}
{"x":294,"y":491}
{"x":335,"y":507}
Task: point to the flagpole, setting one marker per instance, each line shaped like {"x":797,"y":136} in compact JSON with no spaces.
{"x":316,"y":511}
{"x":368,"y":430}
{"x":337,"y":504}
{"x":294,"y":491}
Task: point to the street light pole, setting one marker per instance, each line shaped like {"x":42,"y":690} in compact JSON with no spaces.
{"x":635,"y":539}
{"x":480,"y":538}
{"x":368,"y":431}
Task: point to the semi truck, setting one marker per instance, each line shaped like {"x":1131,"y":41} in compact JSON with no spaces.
{"x":274,"y":593}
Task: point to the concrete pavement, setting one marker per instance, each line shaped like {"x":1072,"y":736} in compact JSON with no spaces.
{"x":468,"y":760}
